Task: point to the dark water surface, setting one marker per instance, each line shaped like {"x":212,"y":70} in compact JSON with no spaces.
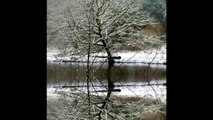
{"x":76,"y":73}
{"x":131,"y":79}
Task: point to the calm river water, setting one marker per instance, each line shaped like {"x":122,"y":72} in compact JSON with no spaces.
{"x":131,"y":79}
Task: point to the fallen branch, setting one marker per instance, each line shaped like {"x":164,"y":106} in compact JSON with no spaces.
{"x":74,"y":86}
{"x":113,"y":57}
{"x":113,"y":90}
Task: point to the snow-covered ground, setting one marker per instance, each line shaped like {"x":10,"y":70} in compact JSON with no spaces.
{"x":153,"y":56}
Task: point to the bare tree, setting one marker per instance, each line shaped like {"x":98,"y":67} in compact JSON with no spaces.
{"x":121,"y":23}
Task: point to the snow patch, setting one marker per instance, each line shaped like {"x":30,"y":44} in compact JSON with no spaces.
{"x":149,"y":56}
{"x":150,"y":91}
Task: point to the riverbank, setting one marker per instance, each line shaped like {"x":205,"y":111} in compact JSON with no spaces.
{"x":156,"y":56}
{"x":140,"y":90}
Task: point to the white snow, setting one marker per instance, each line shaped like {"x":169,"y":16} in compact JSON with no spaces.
{"x":51,"y":93}
{"x":153,"y":56}
{"x":155,"y":91}
{"x":51,"y":55}
{"x":150,"y":91}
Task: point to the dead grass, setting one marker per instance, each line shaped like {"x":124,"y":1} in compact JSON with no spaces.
{"x":155,"y":29}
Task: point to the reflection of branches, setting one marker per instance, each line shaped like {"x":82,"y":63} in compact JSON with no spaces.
{"x":129,"y":89}
{"x":96,"y":102}
{"x":148,"y":73}
{"x":155,"y":72}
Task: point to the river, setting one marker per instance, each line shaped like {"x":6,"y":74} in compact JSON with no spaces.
{"x":131,"y":79}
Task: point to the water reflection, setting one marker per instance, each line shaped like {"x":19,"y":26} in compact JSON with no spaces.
{"x":75,"y":73}
{"x":130,"y":80}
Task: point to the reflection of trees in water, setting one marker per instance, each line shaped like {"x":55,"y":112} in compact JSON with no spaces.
{"x":78,"y":101}
{"x":76,"y":73}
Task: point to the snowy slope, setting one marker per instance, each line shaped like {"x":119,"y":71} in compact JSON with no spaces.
{"x":154,"y":56}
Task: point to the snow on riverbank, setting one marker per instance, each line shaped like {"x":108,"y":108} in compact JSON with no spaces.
{"x":153,"y":91}
{"x":153,"y":56}
{"x":131,"y":90}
